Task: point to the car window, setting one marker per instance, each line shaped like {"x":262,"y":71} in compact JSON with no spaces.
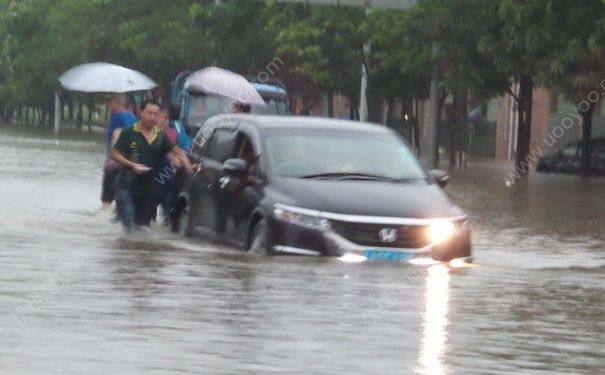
{"x":220,"y":145}
{"x":272,"y":107}
{"x":303,"y":153}
{"x":570,"y":151}
{"x":202,"y":107}
{"x":245,"y":150}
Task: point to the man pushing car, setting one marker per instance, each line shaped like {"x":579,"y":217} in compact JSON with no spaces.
{"x":139,"y":150}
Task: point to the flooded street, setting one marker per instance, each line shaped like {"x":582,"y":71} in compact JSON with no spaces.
{"x":79,"y":297}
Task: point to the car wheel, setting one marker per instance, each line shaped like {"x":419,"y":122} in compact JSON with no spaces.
{"x":182,"y":222}
{"x":258,"y":239}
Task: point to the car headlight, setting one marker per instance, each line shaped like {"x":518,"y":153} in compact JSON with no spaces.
{"x":292,"y":216}
{"x":440,"y":230}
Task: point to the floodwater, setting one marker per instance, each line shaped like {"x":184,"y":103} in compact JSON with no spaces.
{"x":79,"y":297}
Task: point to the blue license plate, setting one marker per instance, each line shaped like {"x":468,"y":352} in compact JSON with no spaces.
{"x":377,"y":254}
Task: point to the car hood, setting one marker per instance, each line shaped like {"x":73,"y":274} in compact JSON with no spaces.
{"x":368,"y":198}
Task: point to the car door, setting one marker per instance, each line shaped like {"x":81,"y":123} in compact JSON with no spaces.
{"x":207,"y":206}
{"x":243,"y":194}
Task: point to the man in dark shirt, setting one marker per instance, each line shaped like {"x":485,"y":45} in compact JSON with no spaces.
{"x":139,"y":150}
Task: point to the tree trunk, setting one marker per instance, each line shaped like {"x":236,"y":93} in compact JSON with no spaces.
{"x":440,"y":105}
{"x":524,"y":111}
{"x":454,"y":127}
{"x":388,"y":113}
{"x":586,"y":139}
{"x":79,"y":118}
{"x":330,"y":104}
{"x":50,"y":116}
{"x":407,"y":117}
{"x":61,"y":107}
{"x":90,"y":104}
{"x":415,"y":127}
{"x":70,"y":107}
{"x":463,"y":131}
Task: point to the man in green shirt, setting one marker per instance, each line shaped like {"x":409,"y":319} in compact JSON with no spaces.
{"x":139,"y":150}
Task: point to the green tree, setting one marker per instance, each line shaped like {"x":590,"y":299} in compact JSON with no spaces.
{"x":160,"y":38}
{"x":327,"y":43}
{"x":578,"y":68}
{"x":235,"y":34}
{"x":400,"y":60}
{"x":456,"y":27}
{"x":524,"y":43}
{"x":42,"y":39}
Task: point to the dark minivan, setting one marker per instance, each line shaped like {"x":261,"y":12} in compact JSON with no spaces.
{"x":317,"y":186}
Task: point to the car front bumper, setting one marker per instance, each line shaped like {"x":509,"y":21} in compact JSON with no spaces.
{"x":295,"y":240}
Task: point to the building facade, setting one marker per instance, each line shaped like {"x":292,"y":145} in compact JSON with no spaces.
{"x":555,"y":122}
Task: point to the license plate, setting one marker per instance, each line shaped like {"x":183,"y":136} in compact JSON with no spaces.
{"x":376,"y":254}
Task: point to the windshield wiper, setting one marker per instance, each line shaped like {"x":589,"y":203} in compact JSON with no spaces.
{"x":346,"y":176}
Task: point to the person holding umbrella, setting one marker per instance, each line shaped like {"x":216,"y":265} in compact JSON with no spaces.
{"x":103,"y":77}
{"x":139,"y":150}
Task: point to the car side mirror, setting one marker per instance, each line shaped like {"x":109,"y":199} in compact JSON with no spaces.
{"x":235,"y":167}
{"x":440,"y":176}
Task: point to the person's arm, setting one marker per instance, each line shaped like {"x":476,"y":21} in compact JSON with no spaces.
{"x":178,"y":158}
{"x":115,"y":136}
{"x":120,"y":159}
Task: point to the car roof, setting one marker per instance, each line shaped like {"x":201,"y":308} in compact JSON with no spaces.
{"x":265,"y":87}
{"x":267,"y":122}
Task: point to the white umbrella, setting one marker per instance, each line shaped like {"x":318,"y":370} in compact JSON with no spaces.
{"x":217,"y":81}
{"x":105,"y":77}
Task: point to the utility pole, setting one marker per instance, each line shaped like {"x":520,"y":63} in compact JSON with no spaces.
{"x":57,"y":119}
{"x":363,"y":98}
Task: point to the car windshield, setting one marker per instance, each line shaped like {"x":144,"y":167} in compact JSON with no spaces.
{"x":273,"y":107}
{"x":341,"y":155}
{"x":202,"y":107}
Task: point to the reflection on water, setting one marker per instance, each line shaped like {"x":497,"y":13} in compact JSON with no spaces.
{"x":434,"y":336}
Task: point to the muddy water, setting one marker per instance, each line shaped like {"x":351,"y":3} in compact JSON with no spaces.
{"x":78,"y":297}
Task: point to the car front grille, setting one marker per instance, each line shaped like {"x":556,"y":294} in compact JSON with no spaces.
{"x":408,"y":236}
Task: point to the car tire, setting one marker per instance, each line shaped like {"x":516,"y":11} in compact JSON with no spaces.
{"x":258,"y":239}
{"x":182,"y":222}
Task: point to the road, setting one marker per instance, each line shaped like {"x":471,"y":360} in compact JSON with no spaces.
{"x":79,"y":297}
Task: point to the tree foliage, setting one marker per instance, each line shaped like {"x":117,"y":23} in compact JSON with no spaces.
{"x":327,"y":44}
{"x":485,"y":47}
